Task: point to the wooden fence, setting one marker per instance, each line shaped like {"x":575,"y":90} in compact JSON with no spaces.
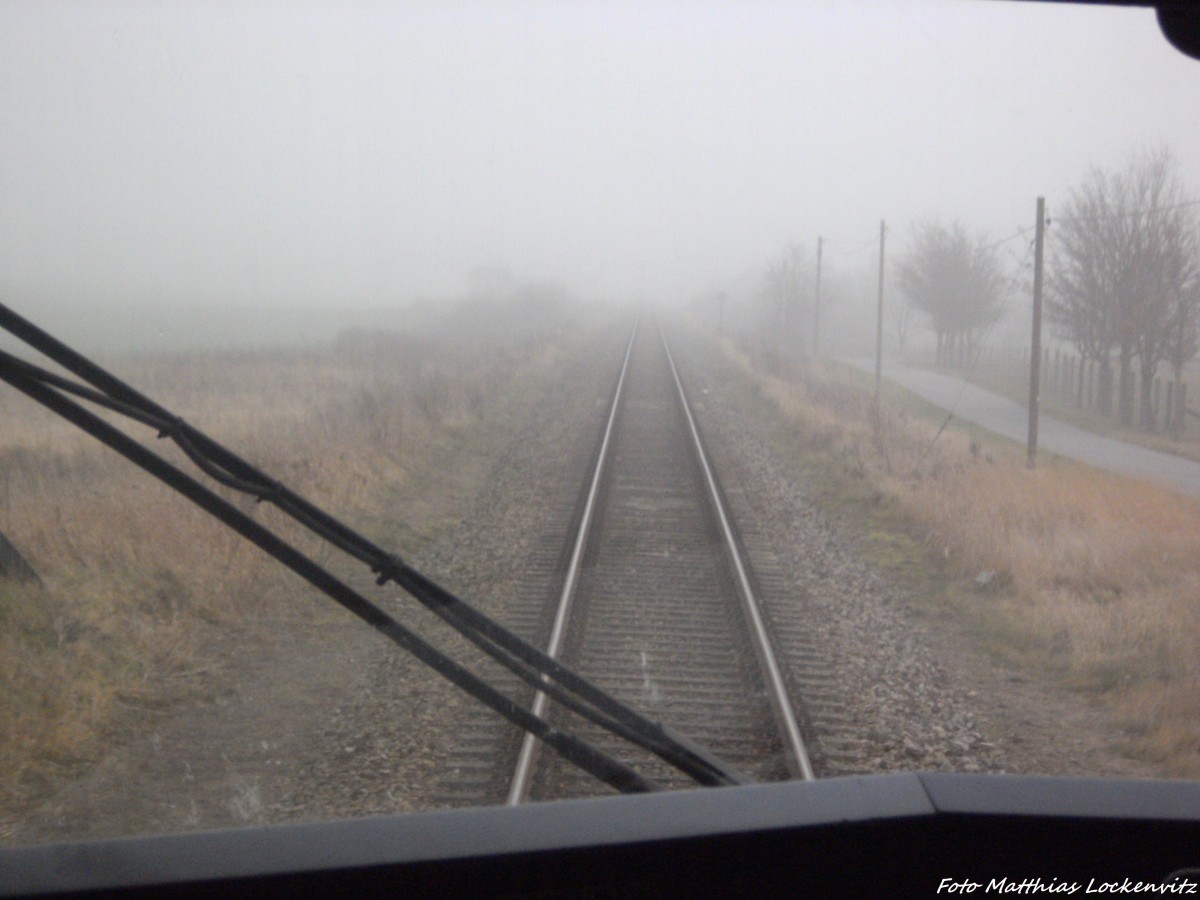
{"x":1085,"y":384}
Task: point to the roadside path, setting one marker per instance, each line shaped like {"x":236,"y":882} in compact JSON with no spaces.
{"x":1011,"y":420}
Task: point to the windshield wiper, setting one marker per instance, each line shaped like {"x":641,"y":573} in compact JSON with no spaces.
{"x":529,"y":663}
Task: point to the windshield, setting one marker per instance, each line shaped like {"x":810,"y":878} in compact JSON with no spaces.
{"x":816,"y":380}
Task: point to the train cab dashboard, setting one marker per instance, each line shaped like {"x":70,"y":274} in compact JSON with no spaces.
{"x":887,"y":835}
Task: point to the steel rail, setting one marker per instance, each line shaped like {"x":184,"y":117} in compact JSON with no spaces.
{"x":583,"y":754}
{"x":797,"y":756}
{"x":519,"y":657}
{"x":518,"y":791}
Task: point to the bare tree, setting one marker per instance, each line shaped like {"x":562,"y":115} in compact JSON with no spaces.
{"x":1168,"y":276}
{"x":1084,"y":280}
{"x":957,"y":281}
{"x":901,"y":312}
{"x":1182,"y":340}
{"x":784,"y":288}
{"x":1124,"y":277}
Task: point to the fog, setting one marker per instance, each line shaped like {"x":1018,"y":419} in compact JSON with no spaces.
{"x":315,"y":155}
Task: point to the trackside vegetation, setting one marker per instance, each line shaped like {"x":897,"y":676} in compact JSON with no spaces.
{"x":1070,"y":573}
{"x":139,"y":587}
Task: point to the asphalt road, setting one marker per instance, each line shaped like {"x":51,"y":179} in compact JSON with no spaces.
{"x":1011,"y":420}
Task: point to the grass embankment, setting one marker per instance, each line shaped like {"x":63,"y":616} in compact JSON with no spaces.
{"x":1092,"y":579}
{"x":139,"y":584}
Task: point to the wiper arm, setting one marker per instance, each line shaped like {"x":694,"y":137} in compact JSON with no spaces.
{"x":528,"y":662}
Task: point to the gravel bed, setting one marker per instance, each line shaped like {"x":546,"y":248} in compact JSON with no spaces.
{"x":914,"y":693}
{"x":307,"y":714}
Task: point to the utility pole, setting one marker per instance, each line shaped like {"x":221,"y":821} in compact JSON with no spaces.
{"x":817,"y":303}
{"x":879,"y":319}
{"x":1035,"y":353}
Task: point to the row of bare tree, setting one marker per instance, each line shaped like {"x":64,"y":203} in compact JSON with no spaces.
{"x":1122,"y":284}
{"x":1124,"y":281}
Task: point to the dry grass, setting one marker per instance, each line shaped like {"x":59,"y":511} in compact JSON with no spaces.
{"x":1096,"y":578}
{"x":138,"y":583}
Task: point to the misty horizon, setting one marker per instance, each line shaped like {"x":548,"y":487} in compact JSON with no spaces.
{"x":375,"y":155}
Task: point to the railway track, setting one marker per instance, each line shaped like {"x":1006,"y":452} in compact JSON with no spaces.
{"x":653,"y":599}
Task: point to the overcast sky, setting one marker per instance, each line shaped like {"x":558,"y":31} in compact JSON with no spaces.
{"x":362,"y":153}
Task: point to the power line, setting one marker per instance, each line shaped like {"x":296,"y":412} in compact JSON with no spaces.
{"x":1011,"y":237}
{"x":861,"y":247}
{"x":1129,"y":215}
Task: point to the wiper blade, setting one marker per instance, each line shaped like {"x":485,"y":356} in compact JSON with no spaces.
{"x":528,"y":662}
